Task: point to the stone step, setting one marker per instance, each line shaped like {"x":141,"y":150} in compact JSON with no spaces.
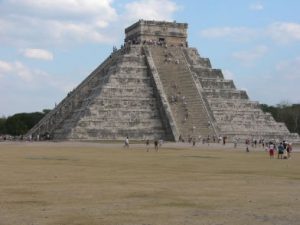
{"x":123,"y":115}
{"x":126,"y":92}
{"x":131,"y":81}
{"x":179,"y":74}
{"x":109,"y":134}
{"x":120,"y":124}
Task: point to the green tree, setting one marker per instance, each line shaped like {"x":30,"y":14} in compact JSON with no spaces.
{"x":2,"y":125}
{"x":20,"y":123}
{"x":287,"y":113}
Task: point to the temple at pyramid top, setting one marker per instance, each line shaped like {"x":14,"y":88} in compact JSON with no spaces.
{"x":157,"y":87}
{"x":170,"y":33}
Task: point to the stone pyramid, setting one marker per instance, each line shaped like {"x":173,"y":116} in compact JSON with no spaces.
{"x":156,"y":87}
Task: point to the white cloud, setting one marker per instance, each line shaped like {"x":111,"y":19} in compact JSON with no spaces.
{"x":280,"y":32}
{"x":74,"y":6}
{"x":36,"y":53}
{"x":17,"y":70}
{"x":24,"y":72}
{"x":77,"y":32}
{"x":276,"y":83}
{"x":54,"y":21}
{"x":5,"y":67}
{"x":21,"y":73}
{"x":284,"y":32}
{"x":256,"y":6}
{"x":88,"y":10}
{"x":249,"y":57}
{"x":150,"y":10}
{"x":233,"y":33}
{"x":29,"y":89}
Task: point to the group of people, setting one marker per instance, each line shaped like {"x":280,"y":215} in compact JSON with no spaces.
{"x":36,"y":137}
{"x":178,"y":97}
{"x":204,"y":140}
{"x":157,"y":144}
{"x":170,"y":58}
{"x":283,"y":150}
{"x":155,"y":42}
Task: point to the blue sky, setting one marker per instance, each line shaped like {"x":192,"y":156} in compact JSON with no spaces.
{"x":47,"y":47}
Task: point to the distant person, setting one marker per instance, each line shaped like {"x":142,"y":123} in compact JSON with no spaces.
{"x":263,"y":143}
{"x":271,"y":150}
{"x":156,"y":145}
{"x":219,"y":139}
{"x":160,"y":143}
{"x":235,"y":142}
{"x":284,"y":143}
{"x":280,"y":151}
{"x":289,"y":150}
{"x":247,"y":142}
{"x":224,"y":140}
{"x":126,"y":144}
{"x":147,"y":144}
{"x":285,"y":154}
{"x":180,"y":138}
{"x":199,"y":138}
{"x":194,"y":142}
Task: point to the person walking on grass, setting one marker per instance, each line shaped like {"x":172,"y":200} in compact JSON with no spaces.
{"x":280,"y":151}
{"x":235,"y":142}
{"x":289,"y":150}
{"x":156,"y":145}
{"x":147,"y":144}
{"x":271,"y":150}
{"x":247,"y":142}
{"x":194,"y":142}
{"x":126,"y":144}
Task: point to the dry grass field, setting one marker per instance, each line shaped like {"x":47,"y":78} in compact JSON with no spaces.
{"x":90,"y":183}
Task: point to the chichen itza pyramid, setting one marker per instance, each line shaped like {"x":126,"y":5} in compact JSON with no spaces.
{"x":156,"y":87}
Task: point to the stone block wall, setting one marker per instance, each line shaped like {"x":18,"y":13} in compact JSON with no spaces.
{"x":235,"y":115}
{"x":115,"y":101}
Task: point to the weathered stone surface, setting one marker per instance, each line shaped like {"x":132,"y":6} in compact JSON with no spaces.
{"x":234,"y":114}
{"x":157,"y":31}
{"x":155,"y":87}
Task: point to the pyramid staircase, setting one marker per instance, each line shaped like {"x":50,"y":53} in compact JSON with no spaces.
{"x":184,"y":98}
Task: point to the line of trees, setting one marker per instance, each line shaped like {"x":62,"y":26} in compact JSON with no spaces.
{"x":287,"y":113}
{"x":20,"y":123}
